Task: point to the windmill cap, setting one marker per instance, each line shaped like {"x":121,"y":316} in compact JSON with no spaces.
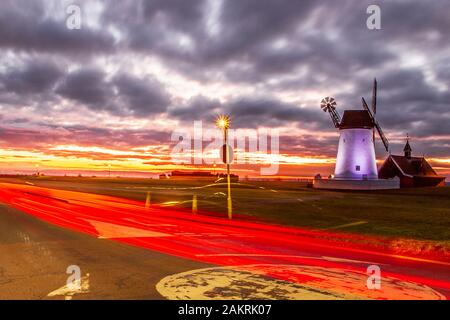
{"x":353,"y":119}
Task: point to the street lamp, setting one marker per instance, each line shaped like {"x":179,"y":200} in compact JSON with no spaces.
{"x":223,"y":122}
{"x":109,"y":170}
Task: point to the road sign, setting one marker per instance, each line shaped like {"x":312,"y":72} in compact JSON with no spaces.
{"x":223,"y":153}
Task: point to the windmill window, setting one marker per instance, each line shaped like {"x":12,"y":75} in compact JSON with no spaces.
{"x":358,"y":168}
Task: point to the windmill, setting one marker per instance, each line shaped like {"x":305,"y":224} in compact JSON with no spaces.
{"x":356,"y":152}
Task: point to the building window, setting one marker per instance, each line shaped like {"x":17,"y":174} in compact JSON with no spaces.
{"x":358,"y":168}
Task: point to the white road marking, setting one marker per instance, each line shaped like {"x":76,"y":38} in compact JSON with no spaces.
{"x":267,"y":282}
{"x":347,"y":225}
{"x":69,"y":290}
{"x":109,"y":231}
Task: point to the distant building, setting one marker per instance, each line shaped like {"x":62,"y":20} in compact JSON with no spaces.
{"x":197,"y":175}
{"x":412,"y":171}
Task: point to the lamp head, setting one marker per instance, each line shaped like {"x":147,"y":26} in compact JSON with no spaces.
{"x":223,"y":122}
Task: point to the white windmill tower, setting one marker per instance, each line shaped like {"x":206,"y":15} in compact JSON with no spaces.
{"x":356,"y":166}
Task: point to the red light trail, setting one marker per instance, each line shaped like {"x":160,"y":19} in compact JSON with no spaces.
{"x":242,"y":244}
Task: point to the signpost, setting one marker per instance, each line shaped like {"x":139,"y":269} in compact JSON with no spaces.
{"x":226,"y":153}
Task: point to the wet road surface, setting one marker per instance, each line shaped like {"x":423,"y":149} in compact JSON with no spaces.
{"x":130,"y":251}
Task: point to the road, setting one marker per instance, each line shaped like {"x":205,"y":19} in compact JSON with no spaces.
{"x":125,"y":250}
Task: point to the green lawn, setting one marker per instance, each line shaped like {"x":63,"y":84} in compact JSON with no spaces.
{"x":422,"y":214}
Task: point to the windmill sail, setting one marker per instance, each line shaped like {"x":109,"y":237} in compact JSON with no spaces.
{"x":377,"y":126}
{"x":328,"y":104}
{"x":374,"y":105}
{"x":374,"y":97}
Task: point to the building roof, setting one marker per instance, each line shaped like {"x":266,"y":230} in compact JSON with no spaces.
{"x":356,"y":119}
{"x":413,"y":166}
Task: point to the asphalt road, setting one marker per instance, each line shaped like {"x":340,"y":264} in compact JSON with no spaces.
{"x":130,"y":251}
{"x":35,"y":255}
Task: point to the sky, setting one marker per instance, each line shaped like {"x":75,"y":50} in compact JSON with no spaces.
{"x":109,"y":96}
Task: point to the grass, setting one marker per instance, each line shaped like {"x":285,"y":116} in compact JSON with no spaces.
{"x":420,"y":214}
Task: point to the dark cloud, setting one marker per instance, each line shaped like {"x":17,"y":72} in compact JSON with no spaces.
{"x":142,"y":96}
{"x":197,"y":108}
{"x":123,"y":95}
{"x":409,"y":103}
{"x":41,"y":138}
{"x":242,"y":28}
{"x":35,"y":76}
{"x":159,"y":23}
{"x":42,"y":83}
{"x":420,"y":21}
{"x":245,"y":47}
{"x":179,"y":14}
{"x":31,"y":29}
{"x":251,"y":112}
{"x":87,"y":86}
{"x":249,"y":23}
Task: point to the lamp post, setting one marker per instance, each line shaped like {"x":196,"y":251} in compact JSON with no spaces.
{"x":109,"y":170}
{"x":223,"y":122}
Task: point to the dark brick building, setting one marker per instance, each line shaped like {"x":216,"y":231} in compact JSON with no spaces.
{"x":412,"y":171}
